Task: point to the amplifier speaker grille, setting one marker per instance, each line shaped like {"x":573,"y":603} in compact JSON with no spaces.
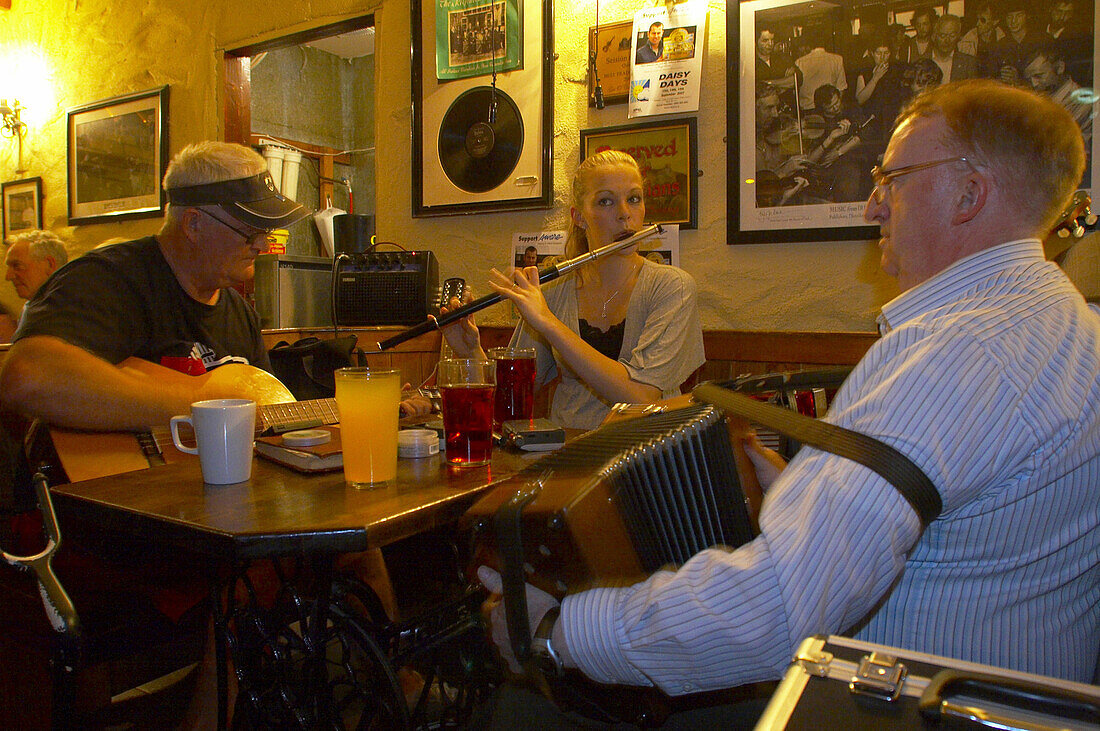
{"x":391,"y":288}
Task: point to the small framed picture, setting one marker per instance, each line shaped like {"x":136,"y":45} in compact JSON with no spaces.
{"x":667,"y":153}
{"x":22,"y":205}
{"x":117,"y":153}
{"x":610,"y":46}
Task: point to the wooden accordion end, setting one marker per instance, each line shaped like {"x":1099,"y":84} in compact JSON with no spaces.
{"x":618,"y":503}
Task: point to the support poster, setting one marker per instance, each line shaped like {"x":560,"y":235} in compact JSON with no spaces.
{"x":667,"y":52}
{"x":474,"y":37}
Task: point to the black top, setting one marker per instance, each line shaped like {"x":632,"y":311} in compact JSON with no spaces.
{"x":124,"y":300}
{"x":609,"y":343}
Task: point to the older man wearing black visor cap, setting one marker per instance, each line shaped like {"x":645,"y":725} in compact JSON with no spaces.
{"x":166,"y":298}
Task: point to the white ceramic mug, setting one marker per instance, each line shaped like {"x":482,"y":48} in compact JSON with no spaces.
{"x":224,"y":432}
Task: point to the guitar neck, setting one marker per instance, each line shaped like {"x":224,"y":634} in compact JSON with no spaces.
{"x":284,"y":417}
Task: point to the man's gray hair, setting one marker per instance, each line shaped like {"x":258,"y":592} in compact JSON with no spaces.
{"x":42,"y":244}
{"x":211,"y":162}
{"x":1030,"y":144}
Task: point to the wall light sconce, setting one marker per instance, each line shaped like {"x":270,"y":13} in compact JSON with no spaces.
{"x":12,"y":126}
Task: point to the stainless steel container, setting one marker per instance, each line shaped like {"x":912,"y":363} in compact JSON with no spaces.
{"x":293,"y":291}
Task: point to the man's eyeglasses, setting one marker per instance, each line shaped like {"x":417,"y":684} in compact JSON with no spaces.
{"x":883,"y":178}
{"x":250,"y":237}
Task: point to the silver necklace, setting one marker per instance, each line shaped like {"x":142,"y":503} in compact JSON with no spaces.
{"x":615,"y":294}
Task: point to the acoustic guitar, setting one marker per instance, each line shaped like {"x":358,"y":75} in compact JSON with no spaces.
{"x":84,"y":455}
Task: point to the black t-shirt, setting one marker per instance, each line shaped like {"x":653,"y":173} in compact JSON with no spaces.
{"x":124,"y":300}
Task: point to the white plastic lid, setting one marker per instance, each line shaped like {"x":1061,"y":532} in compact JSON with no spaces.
{"x":307,"y":437}
{"x":417,"y":443}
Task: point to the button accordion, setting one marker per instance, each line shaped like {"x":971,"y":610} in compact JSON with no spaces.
{"x":622,"y":501}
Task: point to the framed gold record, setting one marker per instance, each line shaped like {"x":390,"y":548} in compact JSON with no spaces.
{"x":480,"y":146}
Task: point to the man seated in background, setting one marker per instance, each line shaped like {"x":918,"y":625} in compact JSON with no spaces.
{"x":31,"y":258}
{"x":986,"y":377}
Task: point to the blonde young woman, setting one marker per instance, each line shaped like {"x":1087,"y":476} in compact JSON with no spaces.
{"x":621,"y":329}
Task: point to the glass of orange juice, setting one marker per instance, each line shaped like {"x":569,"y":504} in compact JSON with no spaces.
{"x":367,"y":400}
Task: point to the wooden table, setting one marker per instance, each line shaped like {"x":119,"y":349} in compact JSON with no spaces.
{"x":277,"y":513}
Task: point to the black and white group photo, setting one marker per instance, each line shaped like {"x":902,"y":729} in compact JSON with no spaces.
{"x":829,"y":81}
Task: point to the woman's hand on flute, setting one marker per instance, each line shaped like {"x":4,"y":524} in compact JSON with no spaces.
{"x":463,"y":335}
{"x":522,"y":288}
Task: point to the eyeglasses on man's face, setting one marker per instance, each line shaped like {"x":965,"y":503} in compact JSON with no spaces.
{"x":883,"y":178}
{"x":253,"y":237}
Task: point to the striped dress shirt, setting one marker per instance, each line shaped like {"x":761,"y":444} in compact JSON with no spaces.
{"x":988,"y":377}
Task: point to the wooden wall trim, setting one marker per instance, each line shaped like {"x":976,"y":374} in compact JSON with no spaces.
{"x":775,"y":346}
{"x":819,"y":348}
{"x":826,"y":348}
{"x":238,"y":98}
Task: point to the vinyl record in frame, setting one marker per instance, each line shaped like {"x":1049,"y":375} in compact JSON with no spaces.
{"x":480,"y":139}
{"x":457,"y":169}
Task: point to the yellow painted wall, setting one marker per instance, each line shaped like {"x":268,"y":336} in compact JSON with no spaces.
{"x":97,"y":49}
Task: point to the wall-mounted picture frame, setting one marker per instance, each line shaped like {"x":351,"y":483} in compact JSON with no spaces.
{"x":22,"y":207}
{"x":117,"y":153}
{"x":476,"y":37}
{"x":465,"y":160}
{"x":667,"y":153}
{"x":612,"y":53}
{"x":771,"y":196}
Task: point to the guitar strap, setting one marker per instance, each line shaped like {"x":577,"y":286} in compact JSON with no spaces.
{"x":883,"y":459}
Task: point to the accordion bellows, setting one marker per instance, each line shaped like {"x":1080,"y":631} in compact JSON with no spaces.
{"x":622,"y":501}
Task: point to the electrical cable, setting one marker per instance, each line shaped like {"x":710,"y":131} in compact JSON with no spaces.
{"x":597,"y":91}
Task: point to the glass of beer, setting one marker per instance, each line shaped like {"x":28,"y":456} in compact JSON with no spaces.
{"x":467,"y":389}
{"x":367,"y":400}
{"x":515,"y":395}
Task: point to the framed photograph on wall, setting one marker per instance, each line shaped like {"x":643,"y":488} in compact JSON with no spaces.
{"x":667,"y":153}
{"x":612,"y":53}
{"x":117,"y":153}
{"x":22,"y":205}
{"x":477,"y":37}
{"x":801,"y":145}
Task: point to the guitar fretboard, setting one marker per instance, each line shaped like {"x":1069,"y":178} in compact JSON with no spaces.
{"x":293,"y":415}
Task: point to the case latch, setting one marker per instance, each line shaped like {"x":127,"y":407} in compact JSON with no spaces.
{"x":815,"y":662}
{"x":879,"y":675}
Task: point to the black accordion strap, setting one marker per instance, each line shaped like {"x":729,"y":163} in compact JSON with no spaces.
{"x":886,"y":461}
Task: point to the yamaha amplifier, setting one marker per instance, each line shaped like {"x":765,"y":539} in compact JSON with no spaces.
{"x":385,"y":288}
